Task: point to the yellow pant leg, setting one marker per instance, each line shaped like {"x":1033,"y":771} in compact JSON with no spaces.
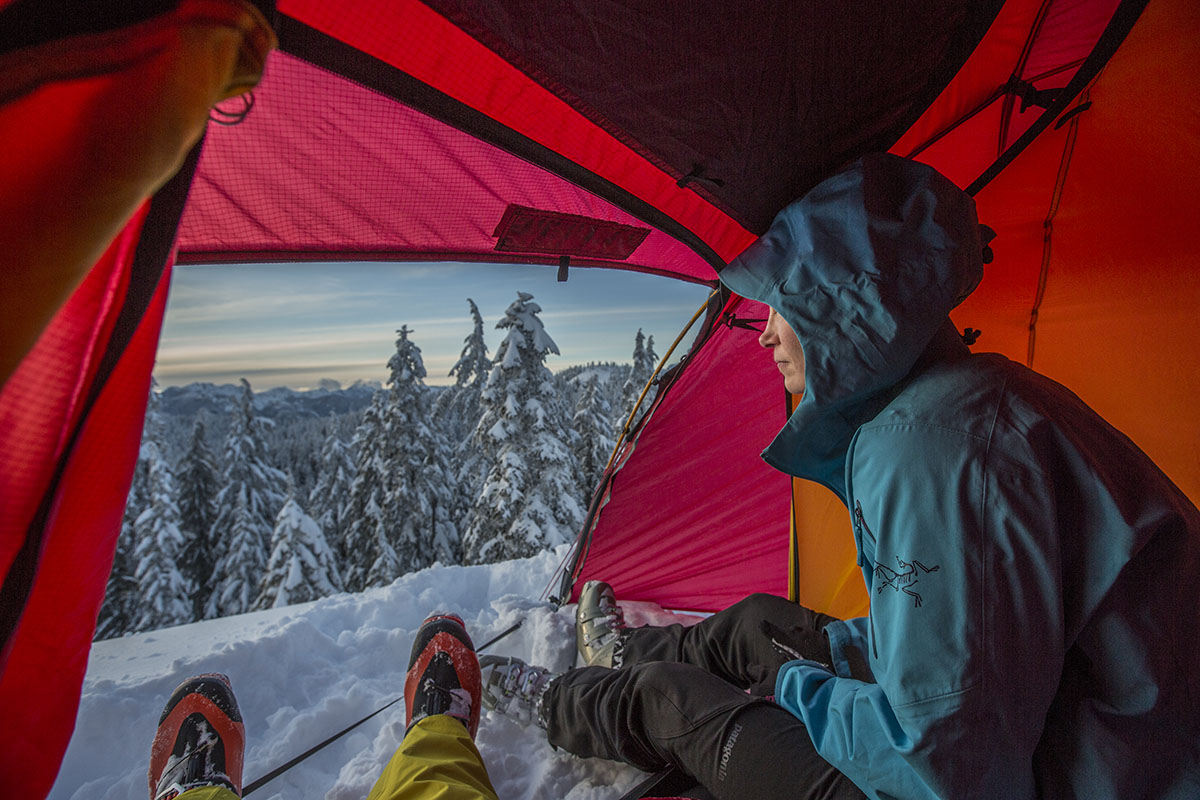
{"x":436,"y":761}
{"x":208,"y":793}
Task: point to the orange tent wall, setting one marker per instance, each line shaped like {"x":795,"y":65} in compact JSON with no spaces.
{"x":1116,"y":318}
{"x":824,"y":572}
{"x":1121,"y":283}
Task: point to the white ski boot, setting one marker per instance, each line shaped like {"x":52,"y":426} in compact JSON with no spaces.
{"x":514,"y":688}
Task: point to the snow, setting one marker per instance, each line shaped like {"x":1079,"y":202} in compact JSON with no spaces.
{"x":306,"y":671}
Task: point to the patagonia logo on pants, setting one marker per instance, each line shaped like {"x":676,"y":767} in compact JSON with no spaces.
{"x":727,"y":750}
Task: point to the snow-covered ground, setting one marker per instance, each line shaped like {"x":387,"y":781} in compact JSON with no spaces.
{"x":304,"y":672}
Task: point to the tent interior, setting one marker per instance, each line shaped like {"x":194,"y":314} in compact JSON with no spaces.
{"x":576,"y":136}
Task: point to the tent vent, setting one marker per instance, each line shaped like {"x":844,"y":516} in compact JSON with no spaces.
{"x":532,"y":230}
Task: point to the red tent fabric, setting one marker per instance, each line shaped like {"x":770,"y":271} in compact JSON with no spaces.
{"x":70,"y":439}
{"x":659,"y":140}
{"x":96,"y":115}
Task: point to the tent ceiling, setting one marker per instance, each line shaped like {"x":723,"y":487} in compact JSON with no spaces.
{"x":759,"y":101}
{"x":762,"y":105}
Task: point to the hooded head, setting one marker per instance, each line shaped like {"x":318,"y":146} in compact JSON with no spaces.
{"x":865,"y":268}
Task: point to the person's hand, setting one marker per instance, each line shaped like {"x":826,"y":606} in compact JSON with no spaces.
{"x":806,"y":641}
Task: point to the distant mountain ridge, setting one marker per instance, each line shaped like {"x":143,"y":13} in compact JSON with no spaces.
{"x":285,"y":403}
{"x":277,"y":403}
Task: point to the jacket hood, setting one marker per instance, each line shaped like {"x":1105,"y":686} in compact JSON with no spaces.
{"x":865,"y":268}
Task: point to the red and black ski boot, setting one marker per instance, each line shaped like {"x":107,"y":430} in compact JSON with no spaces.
{"x":200,"y":739}
{"x":443,"y":673}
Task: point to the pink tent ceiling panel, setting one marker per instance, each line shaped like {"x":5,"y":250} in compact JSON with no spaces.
{"x":646,"y":545}
{"x":322,"y":165}
{"x":417,"y":40}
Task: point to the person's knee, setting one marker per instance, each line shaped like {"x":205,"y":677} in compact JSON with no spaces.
{"x":762,"y":606}
{"x":682,"y":696}
{"x":664,"y":675}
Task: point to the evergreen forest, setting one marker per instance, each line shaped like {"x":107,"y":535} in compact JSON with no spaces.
{"x":242,"y":501}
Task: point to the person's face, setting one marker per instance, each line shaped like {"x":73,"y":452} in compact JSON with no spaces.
{"x":780,"y":339}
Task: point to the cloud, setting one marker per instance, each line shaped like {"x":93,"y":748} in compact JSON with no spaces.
{"x":293,"y":324}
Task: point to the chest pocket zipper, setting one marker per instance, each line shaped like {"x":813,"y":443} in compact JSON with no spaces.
{"x":861,"y":523}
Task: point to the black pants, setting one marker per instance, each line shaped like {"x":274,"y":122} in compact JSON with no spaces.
{"x":680,"y":699}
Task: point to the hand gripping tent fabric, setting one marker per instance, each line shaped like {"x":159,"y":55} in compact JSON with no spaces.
{"x":508,"y":131}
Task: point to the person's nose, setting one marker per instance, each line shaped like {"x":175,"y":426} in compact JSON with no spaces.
{"x":768,"y":337}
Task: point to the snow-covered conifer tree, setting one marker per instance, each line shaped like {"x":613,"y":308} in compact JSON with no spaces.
{"x":198,"y":481}
{"x":457,"y":408}
{"x":328,"y":497}
{"x":116,"y":615}
{"x":120,"y":594}
{"x":529,"y":499}
{"x":644,"y":362}
{"x":386,"y":566}
{"x":240,"y":569}
{"x":457,"y":412}
{"x":636,"y":380}
{"x":417,"y":518}
{"x":164,"y":595}
{"x":593,"y":424}
{"x":245,"y":512}
{"x":363,"y":512}
{"x":302,"y":566}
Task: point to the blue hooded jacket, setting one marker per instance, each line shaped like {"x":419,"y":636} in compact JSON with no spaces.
{"x":1034,"y":628}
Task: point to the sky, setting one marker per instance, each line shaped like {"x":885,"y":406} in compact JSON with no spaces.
{"x":296,"y":324}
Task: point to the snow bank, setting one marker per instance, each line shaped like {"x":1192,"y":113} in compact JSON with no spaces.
{"x":304,"y":672}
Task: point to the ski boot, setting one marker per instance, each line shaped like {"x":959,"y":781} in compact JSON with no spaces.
{"x":515,"y":689}
{"x":599,"y":626}
{"x":200,"y":739}
{"x":443,"y":673}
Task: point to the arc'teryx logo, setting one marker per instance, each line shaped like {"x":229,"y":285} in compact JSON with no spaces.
{"x":902,"y":580}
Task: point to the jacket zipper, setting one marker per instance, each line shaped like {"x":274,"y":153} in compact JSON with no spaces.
{"x":862,"y":526}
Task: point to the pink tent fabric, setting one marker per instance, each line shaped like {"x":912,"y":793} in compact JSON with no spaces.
{"x":729,"y":501}
{"x":323,"y":168}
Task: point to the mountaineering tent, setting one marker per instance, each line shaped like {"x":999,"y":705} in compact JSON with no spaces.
{"x":658,"y":140}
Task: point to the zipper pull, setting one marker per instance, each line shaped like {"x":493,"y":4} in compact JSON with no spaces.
{"x":860,"y":525}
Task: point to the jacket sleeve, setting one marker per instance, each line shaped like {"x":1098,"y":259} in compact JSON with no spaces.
{"x":964,"y":635}
{"x":848,"y":645}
